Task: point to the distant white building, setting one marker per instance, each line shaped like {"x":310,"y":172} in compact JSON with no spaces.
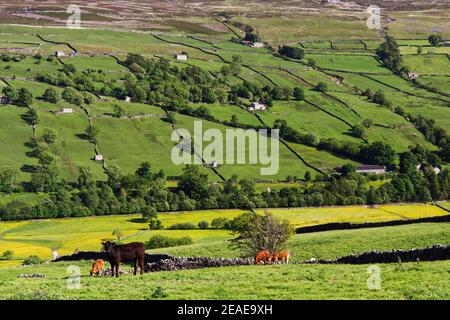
{"x":3,"y":100}
{"x":413,"y":75}
{"x":376,"y":169}
{"x":421,"y":167}
{"x":60,"y":54}
{"x":255,"y":106}
{"x":127,"y":99}
{"x":182,"y":57}
{"x":66,"y":110}
{"x":258,"y":45}
{"x":98,"y":157}
{"x":254,"y":44}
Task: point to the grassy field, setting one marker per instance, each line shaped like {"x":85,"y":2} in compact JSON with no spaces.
{"x":67,"y":235}
{"x":408,"y":281}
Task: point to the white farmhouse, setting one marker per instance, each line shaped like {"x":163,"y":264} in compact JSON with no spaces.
{"x":255,"y":106}
{"x":60,"y":54}
{"x":182,"y":57}
{"x":98,"y":157}
{"x":371,"y":169}
{"x":127,"y":99}
{"x":66,"y":110}
{"x":258,"y":45}
{"x":413,"y":75}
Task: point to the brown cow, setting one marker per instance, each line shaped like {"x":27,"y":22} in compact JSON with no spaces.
{"x":97,"y":267}
{"x":280,"y":256}
{"x":130,"y":252}
{"x":262,"y":256}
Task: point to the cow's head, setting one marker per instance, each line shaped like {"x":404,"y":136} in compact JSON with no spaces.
{"x":108,"y":246}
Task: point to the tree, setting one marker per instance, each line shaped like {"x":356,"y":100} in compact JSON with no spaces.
{"x":358,"y":131}
{"x":86,"y":178}
{"x":72,"y":95}
{"x":119,"y":111}
{"x":8,"y":180}
{"x":367,"y":123}
{"x":291,"y":52}
{"x":118,"y":233}
{"x":307,"y":176}
{"x":8,"y":254}
{"x":91,"y":133}
{"x":170,"y":117}
{"x":24,"y":97}
{"x":69,"y":68}
{"x":234,"y":120}
{"x":311,"y":63}
{"x":264,"y":232}
{"x":408,"y":162}
{"x":193,"y":183}
{"x":379,"y":153}
{"x":10,"y":94}
{"x":49,"y":136}
{"x":389,"y":54}
{"x":298,"y":94}
{"x":51,"y":95}
{"x":149,"y":213}
{"x":321,"y":87}
{"x":435,"y":40}
{"x":31,"y":117}
{"x":203,"y":224}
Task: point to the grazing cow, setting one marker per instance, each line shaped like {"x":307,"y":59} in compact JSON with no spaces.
{"x":262,"y":256}
{"x":280,"y":257}
{"x":130,"y":252}
{"x":97,"y":267}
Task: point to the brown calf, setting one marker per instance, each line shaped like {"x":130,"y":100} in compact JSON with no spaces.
{"x":97,"y":267}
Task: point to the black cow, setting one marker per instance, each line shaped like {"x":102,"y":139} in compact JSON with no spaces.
{"x":130,"y":252}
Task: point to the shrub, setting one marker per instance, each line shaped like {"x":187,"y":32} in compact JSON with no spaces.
{"x":256,"y":233}
{"x":31,"y":260}
{"x":182,"y":226}
{"x":159,"y":241}
{"x":203,"y":224}
{"x":219,"y":223}
{"x":155,"y":224}
{"x":7,"y":255}
{"x":159,"y":292}
{"x":38,"y":294}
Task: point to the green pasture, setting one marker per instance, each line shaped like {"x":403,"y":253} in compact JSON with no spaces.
{"x":73,"y":151}
{"x":14,"y":133}
{"x":70,"y":234}
{"x":280,"y":282}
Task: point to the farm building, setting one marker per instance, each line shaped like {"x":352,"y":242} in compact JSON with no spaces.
{"x":98,"y":157}
{"x":60,"y":54}
{"x":421,"y":167}
{"x":3,"y":100}
{"x":446,"y":44}
{"x":254,"y":106}
{"x":66,"y":110}
{"x":182,"y":57}
{"x":127,"y":99}
{"x":413,"y":75}
{"x":254,"y":44}
{"x":371,"y":169}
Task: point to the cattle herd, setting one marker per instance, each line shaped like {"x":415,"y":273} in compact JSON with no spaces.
{"x":135,"y":252}
{"x":265,"y":256}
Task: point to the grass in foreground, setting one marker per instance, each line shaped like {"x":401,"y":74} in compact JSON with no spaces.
{"x":406,"y":281}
